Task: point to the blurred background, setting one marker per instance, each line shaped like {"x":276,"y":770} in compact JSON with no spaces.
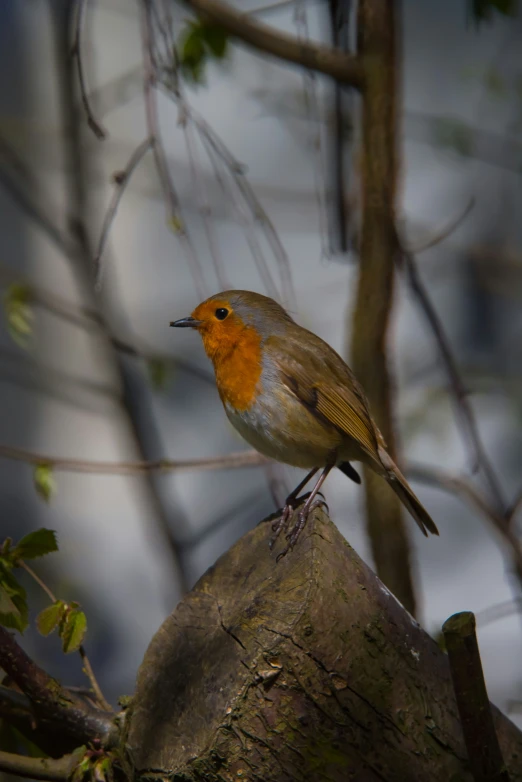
{"x":253,"y":149}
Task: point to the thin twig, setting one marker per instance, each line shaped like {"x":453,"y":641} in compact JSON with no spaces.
{"x":459,"y":392}
{"x":201,"y":196}
{"x":484,"y":754}
{"x":121,"y":180}
{"x":173,"y":204}
{"x":445,"y":232}
{"x":231,"y":461}
{"x":76,"y":52}
{"x":52,"y":769}
{"x":260,"y":216}
{"x":83,"y":654}
{"x":38,"y":580}
{"x":463,"y":487}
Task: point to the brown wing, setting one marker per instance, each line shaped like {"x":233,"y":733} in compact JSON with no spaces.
{"x":321,"y":380}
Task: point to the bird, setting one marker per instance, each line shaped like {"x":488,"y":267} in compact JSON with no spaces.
{"x":293,"y":399}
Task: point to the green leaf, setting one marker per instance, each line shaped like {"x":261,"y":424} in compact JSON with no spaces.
{"x":192,"y":52}
{"x":176,"y":224}
{"x":455,"y":134}
{"x":482,"y":10}
{"x":44,"y":482}
{"x":215,"y":39}
{"x":14,"y":612}
{"x":18,"y":313}
{"x":158,"y":373}
{"x":72,"y":630}
{"x":35,"y":544}
{"x":49,"y":619}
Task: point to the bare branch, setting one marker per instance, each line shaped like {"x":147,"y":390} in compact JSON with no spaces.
{"x":344,"y":68}
{"x":484,"y":755}
{"x":55,"y":770}
{"x":173,"y":204}
{"x":231,"y":461}
{"x":459,"y":392}
{"x":460,"y":486}
{"x":443,"y":234}
{"x":76,"y":52}
{"x":121,"y":180}
{"x":52,"y":703}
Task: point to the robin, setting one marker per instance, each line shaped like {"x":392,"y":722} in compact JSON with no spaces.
{"x":292,"y":397}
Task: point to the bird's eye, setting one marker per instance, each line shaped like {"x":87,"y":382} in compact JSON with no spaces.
{"x":221,"y":313}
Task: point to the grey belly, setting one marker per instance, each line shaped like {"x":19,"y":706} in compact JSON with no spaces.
{"x":288,"y":433}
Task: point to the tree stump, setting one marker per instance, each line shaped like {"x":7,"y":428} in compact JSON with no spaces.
{"x":306,"y":669}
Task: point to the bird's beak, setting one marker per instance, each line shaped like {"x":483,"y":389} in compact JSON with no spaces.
{"x":186,"y":323}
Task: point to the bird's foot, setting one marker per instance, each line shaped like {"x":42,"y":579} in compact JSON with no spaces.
{"x":282,"y":522}
{"x":299,"y":526}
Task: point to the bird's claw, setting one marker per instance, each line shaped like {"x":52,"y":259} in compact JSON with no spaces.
{"x":299,"y":526}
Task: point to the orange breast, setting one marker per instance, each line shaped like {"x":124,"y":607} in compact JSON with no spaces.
{"x":238,"y":370}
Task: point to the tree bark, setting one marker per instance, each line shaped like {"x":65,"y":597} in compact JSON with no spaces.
{"x":376,"y":38}
{"x":308,"y":669}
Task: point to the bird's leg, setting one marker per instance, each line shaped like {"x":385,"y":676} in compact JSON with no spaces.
{"x":289,"y":508}
{"x":309,"y":505}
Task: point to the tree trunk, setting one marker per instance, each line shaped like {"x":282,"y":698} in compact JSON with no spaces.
{"x":308,"y":669}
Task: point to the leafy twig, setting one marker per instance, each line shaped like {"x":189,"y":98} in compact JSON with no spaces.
{"x":85,"y":660}
{"x":343,"y":67}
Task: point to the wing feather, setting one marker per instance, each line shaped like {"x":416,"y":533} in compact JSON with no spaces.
{"x":326,"y":386}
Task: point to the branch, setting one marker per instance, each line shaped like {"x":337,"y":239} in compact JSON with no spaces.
{"x":151,"y":113}
{"x":40,"y":768}
{"x":460,"y":486}
{"x":87,"y":667}
{"x":457,"y":386}
{"x":443,"y":234}
{"x":52,"y":703}
{"x":342,"y":67}
{"x":121,"y":180}
{"x":377,"y":27}
{"x":233,"y":460}
{"x":76,"y":52}
{"x":484,"y":755}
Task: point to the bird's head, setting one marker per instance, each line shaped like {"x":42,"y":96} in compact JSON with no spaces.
{"x":234,"y":318}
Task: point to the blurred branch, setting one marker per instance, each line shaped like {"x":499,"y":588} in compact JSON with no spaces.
{"x":53,"y":769}
{"x":442,"y":235}
{"x":76,"y":52}
{"x":484,"y":755}
{"x":462,"y":487}
{"x":140,"y":420}
{"x":151,"y":112}
{"x":233,"y":460}
{"x":343,"y":67}
{"x":83,"y":317}
{"x":377,"y":33}
{"x":51,"y":702}
{"x":459,"y":392}
{"x":121,"y":180}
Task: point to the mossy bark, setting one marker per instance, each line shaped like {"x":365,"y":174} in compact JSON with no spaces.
{"x":308,"y":669}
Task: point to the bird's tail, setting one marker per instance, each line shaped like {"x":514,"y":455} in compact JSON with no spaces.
{"x":402,"y":489}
